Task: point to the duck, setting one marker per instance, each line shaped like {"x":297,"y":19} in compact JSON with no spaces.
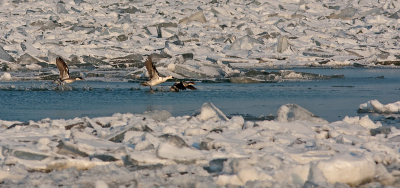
{"x":182,"y":86}
{"x":154,"y":77}
{"x":64,"y":73}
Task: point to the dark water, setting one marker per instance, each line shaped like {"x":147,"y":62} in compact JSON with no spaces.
{"x":330,"y":99}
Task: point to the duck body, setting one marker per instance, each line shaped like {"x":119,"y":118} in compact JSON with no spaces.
{"x":64,"y":73}
{"x":182,"y":86}
{"x":154,"y":78}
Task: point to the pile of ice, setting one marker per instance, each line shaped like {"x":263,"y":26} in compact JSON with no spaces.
{"x":207,"y":149}
{"x":375,"y":106}
{"x":101,"y":35}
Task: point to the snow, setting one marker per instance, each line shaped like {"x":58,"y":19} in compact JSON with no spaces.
{"x":297,"y":151}
{"x":199,"y":40}
{"x":6,"y":76}
{"x":349,"y":169}
{"x":377,"y":107}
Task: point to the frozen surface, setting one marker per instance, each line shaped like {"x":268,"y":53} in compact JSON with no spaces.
{"x":304,"y":129}
{"x":377,"y":107}
{"x":209,"y":152}
{"x":198,"y":39}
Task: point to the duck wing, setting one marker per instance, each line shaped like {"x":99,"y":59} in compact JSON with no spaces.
{"x":179,"y":85}
{"x":191,"y":87}
{"x":151,"y":69}
{"x":63,"y":68}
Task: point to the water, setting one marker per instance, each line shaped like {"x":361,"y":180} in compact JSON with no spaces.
{"x":330,"y":99}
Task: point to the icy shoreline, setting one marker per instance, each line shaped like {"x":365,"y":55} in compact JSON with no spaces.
{"x":206,"y":149}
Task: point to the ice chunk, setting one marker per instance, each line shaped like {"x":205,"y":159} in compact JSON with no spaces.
{"x":244,"y":43}
{"x":61,"y":9}
{"x":93,"y":61}
{"x":188,"y":71}
{"x":100,"y":184}
{"x":368,"y":123}
{"x":173,"y":140}
{"x":130,"y":10}
{"x":119,"y":134}
{"x":293,"y":112}
{"x":27,"y":59}
{"x":125,"y":19}
{"x":198,"y":16}
{"x":5,"y":56}
{"x":216,"y":165}
{"x":6,"y":76}
{"x":79,"y":164}
{"x":220,"y":11}
{"x":377,"y":107}
{"x":283,"y":44}
{"x":349,"y":169}
{"x":68,"y":148}
{"x":146,"y":158}
{"x":157,"y":115}
{"x":228,"y":70}
{"x":209,"y":112}
{"x":27,"y":47}
{"x":344,"y":14}
{"x":180,"y":155}
{"x":24,"y":153}
{"x":245,"y":80}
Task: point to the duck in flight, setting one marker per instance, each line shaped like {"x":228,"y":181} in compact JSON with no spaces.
{"x":64,"y":73}
{"x":154,"y":77}
{"x":182,"y":86}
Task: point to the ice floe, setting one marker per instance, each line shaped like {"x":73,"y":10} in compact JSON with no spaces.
{"x":206,"y":149}
{"x":101,"y":35}
{"x":377,"y":107}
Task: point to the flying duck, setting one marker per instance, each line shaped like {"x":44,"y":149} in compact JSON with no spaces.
{"x":154,"y":77}
{"x":64,"y":73}
{"x":182,"y":86}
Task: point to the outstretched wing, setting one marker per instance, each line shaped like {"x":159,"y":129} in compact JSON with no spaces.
{"x":191,"y":87}
{"x":151,"y":68}
{"x":63,"y":68}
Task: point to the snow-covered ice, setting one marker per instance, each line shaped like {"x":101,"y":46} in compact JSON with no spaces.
{"x":225,"y":40}
{"x":104,"y":36}
{"x":377,"y":107}
{"x":206,"y":149}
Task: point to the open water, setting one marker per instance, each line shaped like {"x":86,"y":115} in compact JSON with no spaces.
{"x":331,"y":99}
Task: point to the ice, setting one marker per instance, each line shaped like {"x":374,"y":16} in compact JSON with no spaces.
{"x":349,"y":169}
{"x":209,"y":112}
{"x":292,"y":112}
{"x":377,"y":107}
{"x":302,"y":150}
{"x":198,"y":16}
{"x":210,"y":40}
{"x":345,"y":14}
{"x":101,"y":184}
{"x":6,"y":76}
{"x":173,"y":140}
{"x":5,"y":56}
{"x":158,"y":115}
{"x":180,"y":155}
{"x":283,"y":44}
{"x":244,"y":43}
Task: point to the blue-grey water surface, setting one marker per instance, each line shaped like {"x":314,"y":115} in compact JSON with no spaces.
{"x":331,"y":99}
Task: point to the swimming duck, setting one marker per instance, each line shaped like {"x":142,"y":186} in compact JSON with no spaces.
{"x":154,"y":78}
{"x":64,"y":73}
{"x":182,"y":86}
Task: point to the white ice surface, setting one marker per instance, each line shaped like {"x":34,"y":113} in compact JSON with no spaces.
{"x":322,"y":33}
{"x":205,"y":150}
{"x":377,"y":107}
